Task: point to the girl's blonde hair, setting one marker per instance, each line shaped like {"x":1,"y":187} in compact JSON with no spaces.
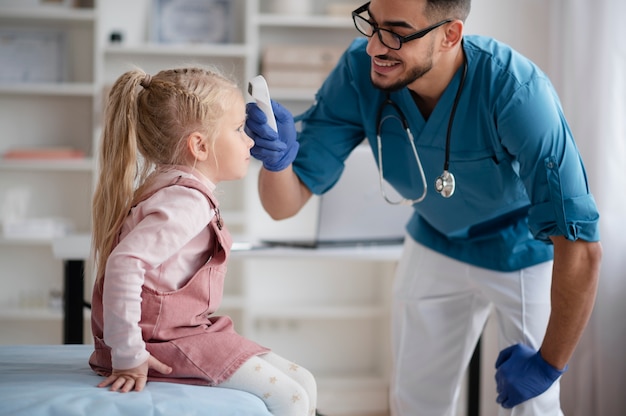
{"x":147,"y":121}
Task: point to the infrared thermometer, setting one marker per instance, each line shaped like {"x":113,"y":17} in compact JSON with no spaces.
{"x":257,"y":88}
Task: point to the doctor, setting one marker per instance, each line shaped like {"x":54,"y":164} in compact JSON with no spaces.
{"x":472,"y":134}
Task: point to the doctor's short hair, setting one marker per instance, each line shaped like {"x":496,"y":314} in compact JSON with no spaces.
{"x":436,"y":10}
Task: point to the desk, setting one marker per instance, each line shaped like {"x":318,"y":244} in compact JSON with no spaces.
{"x":74,"y":249}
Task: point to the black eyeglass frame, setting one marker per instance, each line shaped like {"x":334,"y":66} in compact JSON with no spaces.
{"x":356,"y":14}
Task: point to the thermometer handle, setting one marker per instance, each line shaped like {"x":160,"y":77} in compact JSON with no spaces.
{"x":257,"y":88}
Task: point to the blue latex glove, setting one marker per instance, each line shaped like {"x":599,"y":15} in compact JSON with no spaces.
{"x":275,"y":150}
{"x":521,"y":374}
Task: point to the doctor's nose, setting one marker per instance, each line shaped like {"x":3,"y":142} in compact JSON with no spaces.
{"x":375,"y":47}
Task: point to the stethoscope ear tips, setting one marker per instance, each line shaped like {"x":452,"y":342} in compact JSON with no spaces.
{"x":445,"y":184}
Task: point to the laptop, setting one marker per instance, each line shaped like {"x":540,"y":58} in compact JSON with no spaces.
{"x":351,"y":213}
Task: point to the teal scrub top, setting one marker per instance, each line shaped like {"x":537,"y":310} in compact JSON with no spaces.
{"x":519,"y":176}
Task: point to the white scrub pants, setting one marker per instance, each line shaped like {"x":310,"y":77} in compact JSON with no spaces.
{"x":440,"y":307}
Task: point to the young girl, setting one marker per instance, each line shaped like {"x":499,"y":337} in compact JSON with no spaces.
{"x":161,"y":245}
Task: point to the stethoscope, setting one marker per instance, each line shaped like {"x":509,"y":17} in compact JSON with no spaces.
{"x":445,"y":184}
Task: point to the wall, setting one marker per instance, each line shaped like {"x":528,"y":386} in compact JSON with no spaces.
{"x":525,"y":25}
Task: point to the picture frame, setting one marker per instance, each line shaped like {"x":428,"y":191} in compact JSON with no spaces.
{"x":192,"y":21}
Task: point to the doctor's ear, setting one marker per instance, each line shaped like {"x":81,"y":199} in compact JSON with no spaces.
{"x":198,"y":146}
{"x":453,"y":34}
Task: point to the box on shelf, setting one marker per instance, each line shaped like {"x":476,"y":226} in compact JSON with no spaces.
{"x":299,"y":66}
{"x":342,"y":9}
{"x":32,"y":55}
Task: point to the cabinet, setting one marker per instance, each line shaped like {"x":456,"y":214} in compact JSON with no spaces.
{"x":325,"y":309}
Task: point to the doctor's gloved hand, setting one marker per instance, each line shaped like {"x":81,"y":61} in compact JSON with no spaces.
{"x":275,"y":150}
{"x":521,"y":374}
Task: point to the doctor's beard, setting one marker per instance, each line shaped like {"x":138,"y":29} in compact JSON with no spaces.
{"x":412,"y":75}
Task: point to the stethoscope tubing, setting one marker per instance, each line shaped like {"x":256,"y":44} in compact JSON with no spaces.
{"x":379,"y":142}
{"x":445,"y":184}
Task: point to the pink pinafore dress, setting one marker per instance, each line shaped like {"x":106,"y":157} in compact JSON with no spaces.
{"x":179,"y":327}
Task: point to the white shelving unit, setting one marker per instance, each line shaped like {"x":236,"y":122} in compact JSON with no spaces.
{"x":325,"y":309}
{"x":313,"y":29}
{"x":42,"y":112}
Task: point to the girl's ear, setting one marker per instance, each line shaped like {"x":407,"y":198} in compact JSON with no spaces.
{"x":198,"y":146}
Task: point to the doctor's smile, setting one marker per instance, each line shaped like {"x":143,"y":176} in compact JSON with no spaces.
{"x":384,"y":64}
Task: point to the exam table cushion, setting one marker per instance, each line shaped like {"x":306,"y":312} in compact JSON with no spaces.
{"x":46,"y":380}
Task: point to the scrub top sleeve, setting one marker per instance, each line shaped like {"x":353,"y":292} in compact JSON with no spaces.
{"x":332,"y":127}
{"x":534,"y":131}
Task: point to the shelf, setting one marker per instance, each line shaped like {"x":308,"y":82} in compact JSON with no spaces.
{"x":50,"y":89}
{"x":309,"y":21}
{"x":166,"y":50}
{"x":66,"y":165}
{"x":76,"y":246}
{"x":361,"y":253}
{"x":261,"y":312}
{"x":48,"y":14}
{"x":30,"y":313}
{"x":26,"y":242}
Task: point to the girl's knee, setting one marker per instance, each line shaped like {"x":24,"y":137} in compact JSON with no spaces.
{"x":303,"y":376}
{"x":290,"y":399}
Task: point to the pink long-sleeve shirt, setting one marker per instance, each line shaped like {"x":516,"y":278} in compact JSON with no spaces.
{"x":162,"y":244}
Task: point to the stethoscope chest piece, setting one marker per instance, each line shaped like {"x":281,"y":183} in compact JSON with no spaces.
{"x":445,"y":184}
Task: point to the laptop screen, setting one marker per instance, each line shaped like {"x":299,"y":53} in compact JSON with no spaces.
{"x":353,"y":212}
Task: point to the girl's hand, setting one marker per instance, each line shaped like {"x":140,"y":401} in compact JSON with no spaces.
{"x":134,"y":378}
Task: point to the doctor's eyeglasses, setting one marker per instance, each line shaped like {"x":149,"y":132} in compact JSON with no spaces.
{"x":364,"y":24}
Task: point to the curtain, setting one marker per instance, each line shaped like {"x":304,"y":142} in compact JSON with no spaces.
{"x":589,"y":60}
